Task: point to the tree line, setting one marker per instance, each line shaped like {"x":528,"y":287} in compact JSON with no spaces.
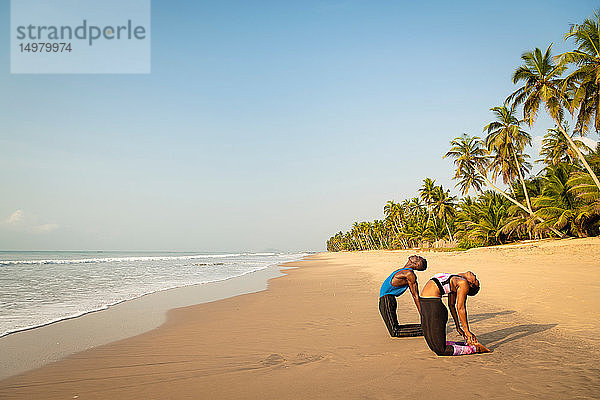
{"x":563,"y":200}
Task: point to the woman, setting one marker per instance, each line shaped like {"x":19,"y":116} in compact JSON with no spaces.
{"x":434,"y":316}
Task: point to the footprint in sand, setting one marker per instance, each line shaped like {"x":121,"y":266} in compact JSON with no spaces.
{"x":273,"y":359}
{"x":303,"y":358}
{"x":300,"y":359}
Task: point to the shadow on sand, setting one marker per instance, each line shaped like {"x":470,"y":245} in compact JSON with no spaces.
{"x":500,"y":337}
{"x":474,"y":318}
{"x":497,"y":338}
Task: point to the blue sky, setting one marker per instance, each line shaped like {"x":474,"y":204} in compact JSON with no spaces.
{"x":262,"y":125}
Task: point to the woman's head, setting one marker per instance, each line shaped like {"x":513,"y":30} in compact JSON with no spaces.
{"x":474,"y":284}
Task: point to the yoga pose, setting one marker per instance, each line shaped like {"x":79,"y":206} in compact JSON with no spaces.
{"x":434,"y":315}
{"x":394,"y":286}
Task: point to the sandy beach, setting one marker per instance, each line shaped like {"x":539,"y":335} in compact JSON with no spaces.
{"x":316,"y":333}
{"x":33,"y":348}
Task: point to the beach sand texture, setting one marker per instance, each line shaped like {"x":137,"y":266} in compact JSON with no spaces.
{"x":317,"y":333}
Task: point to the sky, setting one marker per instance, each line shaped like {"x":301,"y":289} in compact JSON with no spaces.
{"x":262,"y":125}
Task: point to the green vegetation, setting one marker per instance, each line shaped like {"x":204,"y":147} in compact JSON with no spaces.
{"x":562,"y":200}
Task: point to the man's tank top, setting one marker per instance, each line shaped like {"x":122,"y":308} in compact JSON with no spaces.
{"x":388,"y":288}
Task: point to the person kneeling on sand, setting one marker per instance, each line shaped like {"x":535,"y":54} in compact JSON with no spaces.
{"x":434,"y":315}
{"x":394,"y":286}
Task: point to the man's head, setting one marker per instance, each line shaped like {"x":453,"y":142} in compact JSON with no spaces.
{"x":417,"y":263}
{"x":474,"y":284}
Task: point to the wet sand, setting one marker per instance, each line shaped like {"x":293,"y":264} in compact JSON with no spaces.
{"x":317,"y":333}
{"x":33,"y":348}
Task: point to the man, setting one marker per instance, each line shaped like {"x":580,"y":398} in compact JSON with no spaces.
{"x":394,"y":286}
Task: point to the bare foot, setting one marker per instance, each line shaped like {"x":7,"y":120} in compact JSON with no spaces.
{"x":482,"y":349}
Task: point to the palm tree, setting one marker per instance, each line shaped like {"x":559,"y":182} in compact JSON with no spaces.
{"x":414,"y":225}
{"x":542,"y":84}
{"x":583,"y":188}
{"x":466,"y":213}
{"x":382,"y":233}
{"x":367,"y":231}
{"x":585,"y":80}
{"x":444,"y":206}
{"x":393,"y":217}
{"x":521,"y":225}
{"x":506,"y":140}
{"x":593,"y":158}
{"x":357,"y":235}
{"x":434,"y":229}
{"x":416,"y":231}
{"x":471,"y":163}
{"x":557,"y":205}
{"x":470,"y":159}
{"x":483,"y":220}
{"x":556,"y":149}
{"x":426,"y":193}
{"x":415,"y":207}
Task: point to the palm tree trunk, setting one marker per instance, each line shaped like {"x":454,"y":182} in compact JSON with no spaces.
{"x":522,"y":182}
{"x":370,"y":236}
{"x":381,"y":241}
{"x":396,"y":227}
{"x":368,"y":244}
{"x":396,"y":232}
{"x":399,"y":235}
{"x":363,"y":245}
{"x":357,"y":244}
{"x":404,"y":242}
{"x":448,"y":229}
{"x":515,"y":202}
{"x":579,"y":154}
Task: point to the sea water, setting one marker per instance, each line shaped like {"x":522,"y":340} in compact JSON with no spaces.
{"x":38,"y":288}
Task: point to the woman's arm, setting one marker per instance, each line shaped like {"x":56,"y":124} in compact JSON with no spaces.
{"x":452,"y":307}
{"x":462,"y":288}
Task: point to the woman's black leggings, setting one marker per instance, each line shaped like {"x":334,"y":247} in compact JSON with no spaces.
{"x":387,"y":309}
{"x":434,"y":317}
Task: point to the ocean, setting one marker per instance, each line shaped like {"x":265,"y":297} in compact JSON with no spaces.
{"x":39,"y":288}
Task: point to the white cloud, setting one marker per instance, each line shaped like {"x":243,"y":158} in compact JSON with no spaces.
{"x":591,"y":143}
{"x":20,"y":221}
{"x":45,"y":228}
{"x":536,"y":145}
{"x":15,"y":217}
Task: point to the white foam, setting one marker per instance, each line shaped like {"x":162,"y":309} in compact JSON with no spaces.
{"x":120,"y":259}
{"x":34,"y":297}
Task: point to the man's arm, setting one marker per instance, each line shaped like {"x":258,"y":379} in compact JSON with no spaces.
{"x":413,"y":286}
